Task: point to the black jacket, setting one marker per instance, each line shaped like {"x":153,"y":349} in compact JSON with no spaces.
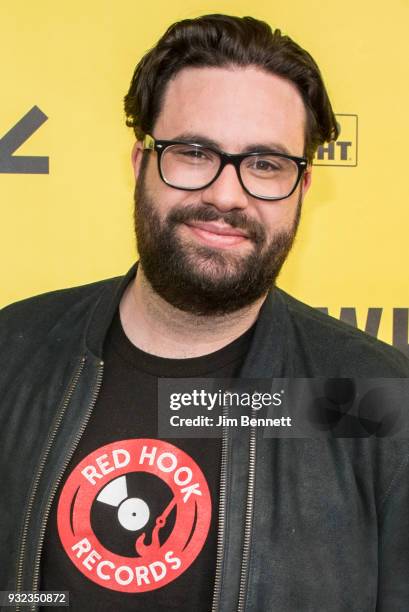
{"x":305,"y":525}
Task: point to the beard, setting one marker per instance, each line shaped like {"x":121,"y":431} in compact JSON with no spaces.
{"x":202,"y":280}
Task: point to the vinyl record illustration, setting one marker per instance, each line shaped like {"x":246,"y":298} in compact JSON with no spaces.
{"x":128,"y":507}
{"x":134,"y":514}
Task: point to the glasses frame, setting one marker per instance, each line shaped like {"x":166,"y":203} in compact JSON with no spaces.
{"x":235,"y":159}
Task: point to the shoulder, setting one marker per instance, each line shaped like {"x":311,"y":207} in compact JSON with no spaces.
{"x":332,"y":345}
{"x":27,"y":324}
{"x":43,"y":336}
{"x":49,"y":306}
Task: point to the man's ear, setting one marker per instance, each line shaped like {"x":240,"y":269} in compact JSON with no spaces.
{"x":306,"y":179}
{"x":136,"y":157}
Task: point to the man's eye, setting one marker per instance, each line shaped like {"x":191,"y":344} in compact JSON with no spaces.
{"x":194,"y":154}
{"x":264,"y":165}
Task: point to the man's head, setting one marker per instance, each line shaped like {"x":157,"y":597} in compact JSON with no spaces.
{"x":235,"y":86}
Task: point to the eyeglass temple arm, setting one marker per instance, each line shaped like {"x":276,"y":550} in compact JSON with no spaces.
{"x":149,"y":142}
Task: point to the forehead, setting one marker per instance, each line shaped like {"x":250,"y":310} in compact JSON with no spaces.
{"x":235,"y":107}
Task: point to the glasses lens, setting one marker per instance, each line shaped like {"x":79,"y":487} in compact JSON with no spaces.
{"x":269,"y":176}
{"x":189,"y":166}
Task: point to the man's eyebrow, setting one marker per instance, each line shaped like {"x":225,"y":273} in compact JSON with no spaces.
{"x":251,"y":148}
{"x":267,"y":146}
{"x":190,"y":137}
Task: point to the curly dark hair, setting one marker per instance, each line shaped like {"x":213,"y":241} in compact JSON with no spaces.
{"x":222,"y":41}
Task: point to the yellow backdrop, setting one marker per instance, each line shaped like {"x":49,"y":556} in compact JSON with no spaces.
{"x":65,"y":70}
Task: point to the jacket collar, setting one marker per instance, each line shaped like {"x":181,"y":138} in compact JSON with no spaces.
{"x":104,"y":311}
{"x":267,"y":356}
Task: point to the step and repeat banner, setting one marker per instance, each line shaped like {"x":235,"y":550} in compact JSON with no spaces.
{"x":66,"y":183}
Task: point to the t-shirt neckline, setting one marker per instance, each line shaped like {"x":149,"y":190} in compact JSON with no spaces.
{"x":187,"y":367}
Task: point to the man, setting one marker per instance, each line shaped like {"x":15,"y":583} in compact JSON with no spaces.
{"x":227,"y":116}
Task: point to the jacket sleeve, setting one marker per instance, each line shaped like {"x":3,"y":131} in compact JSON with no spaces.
{"x":393,"y":578}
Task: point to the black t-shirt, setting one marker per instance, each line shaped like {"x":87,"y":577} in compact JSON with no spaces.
{"x":133,"y":525}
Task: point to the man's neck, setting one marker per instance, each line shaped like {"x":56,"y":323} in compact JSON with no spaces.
{"x":158,"y":328}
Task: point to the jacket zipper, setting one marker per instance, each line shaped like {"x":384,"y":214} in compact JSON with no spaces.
{"x":248,"y":521}
{"x":67,"y":399}
{"x":221,"y":518}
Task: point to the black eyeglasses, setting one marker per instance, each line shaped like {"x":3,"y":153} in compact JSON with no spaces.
{"x":266,"y":175}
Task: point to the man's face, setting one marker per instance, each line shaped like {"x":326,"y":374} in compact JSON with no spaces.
{"x":219,"y":249}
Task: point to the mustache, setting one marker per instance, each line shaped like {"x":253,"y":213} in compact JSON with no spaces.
{"x":235,"y":218}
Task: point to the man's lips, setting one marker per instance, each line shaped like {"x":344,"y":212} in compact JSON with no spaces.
{"x":217,"y":234}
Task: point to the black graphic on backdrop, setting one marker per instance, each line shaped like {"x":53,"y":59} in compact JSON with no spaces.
{"x":400,"y":324}
{"x":14,"y":138}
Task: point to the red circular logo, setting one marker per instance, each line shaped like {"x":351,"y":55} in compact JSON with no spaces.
{"x":162,"y":541}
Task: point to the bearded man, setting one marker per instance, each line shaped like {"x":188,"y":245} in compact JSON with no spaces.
{"x":227,"y":116}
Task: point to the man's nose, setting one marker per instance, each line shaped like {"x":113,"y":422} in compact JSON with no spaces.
{"x":226,"y":192}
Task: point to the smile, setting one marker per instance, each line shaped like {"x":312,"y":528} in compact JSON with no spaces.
{"x":215,"y":234}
